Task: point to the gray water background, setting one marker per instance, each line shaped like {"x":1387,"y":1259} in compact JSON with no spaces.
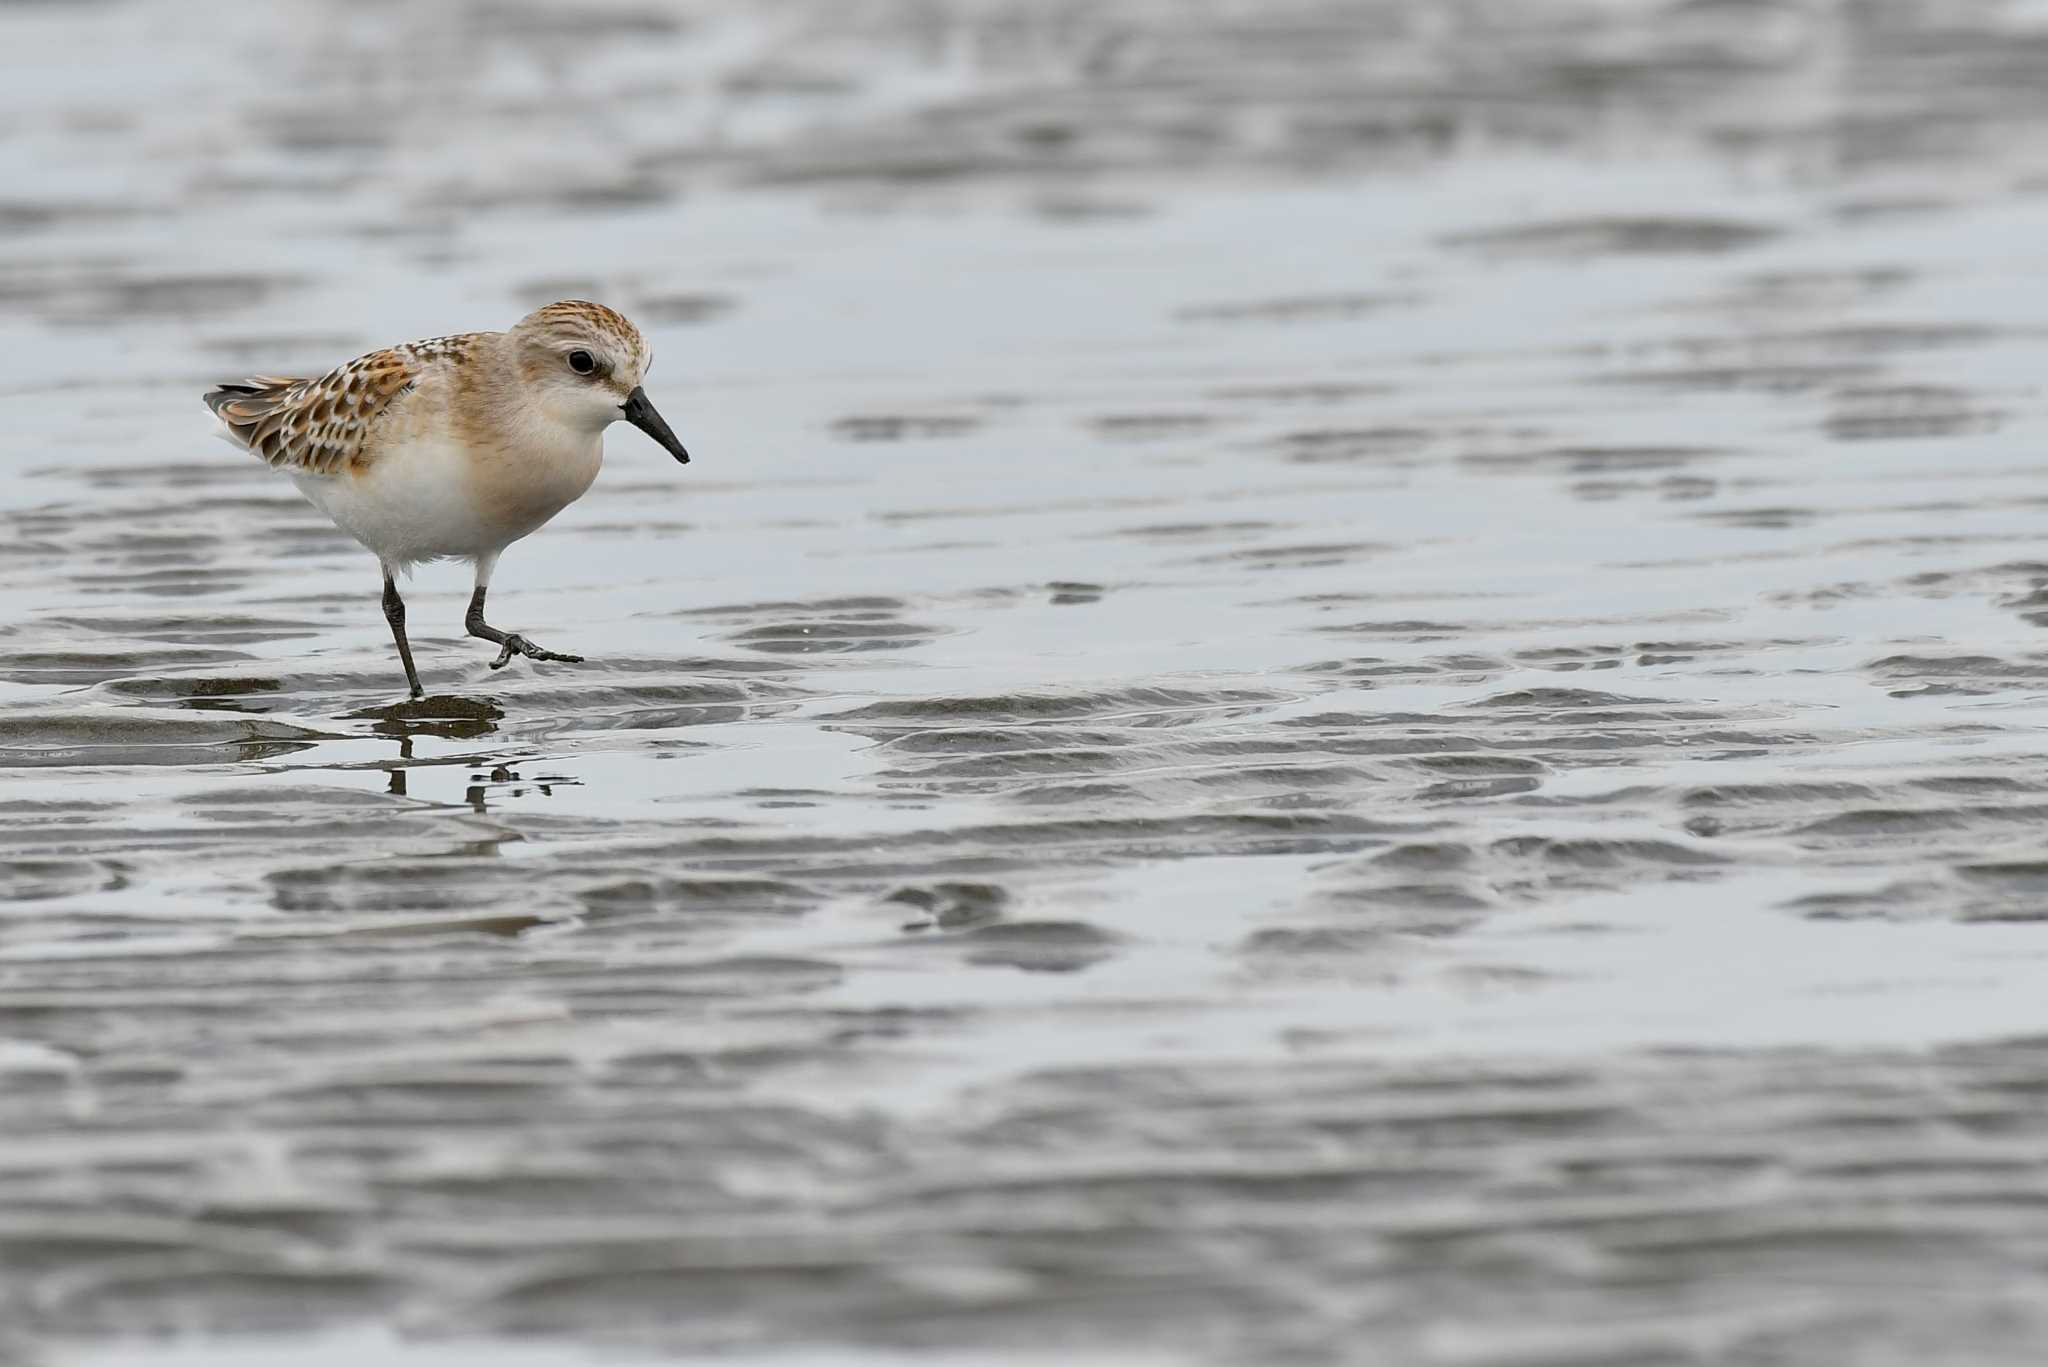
{"x":1338,"y":683}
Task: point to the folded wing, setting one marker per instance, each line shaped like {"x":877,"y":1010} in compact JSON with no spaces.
{"x":324,"y":425}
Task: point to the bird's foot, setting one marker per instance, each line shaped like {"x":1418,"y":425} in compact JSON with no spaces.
{"x":517,"y":644}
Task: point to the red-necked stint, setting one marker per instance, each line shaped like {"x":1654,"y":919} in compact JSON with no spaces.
{"x":454,"y":447}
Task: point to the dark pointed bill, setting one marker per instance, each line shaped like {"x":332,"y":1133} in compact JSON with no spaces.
{"x":640,"y":412}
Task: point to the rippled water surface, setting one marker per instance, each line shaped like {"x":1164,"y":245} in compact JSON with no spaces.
{"x":1338,"y":682}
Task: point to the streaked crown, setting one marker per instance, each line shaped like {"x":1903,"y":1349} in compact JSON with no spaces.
{"x":570,"y":324}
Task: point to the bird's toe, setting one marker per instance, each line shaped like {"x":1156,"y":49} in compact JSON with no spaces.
{"x":520,"y":645}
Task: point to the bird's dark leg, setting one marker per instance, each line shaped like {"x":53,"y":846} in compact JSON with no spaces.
{"x":394,"y":613}
{"x":508,"y":641}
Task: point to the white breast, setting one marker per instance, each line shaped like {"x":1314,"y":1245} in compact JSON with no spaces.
{"x":517,"y":488}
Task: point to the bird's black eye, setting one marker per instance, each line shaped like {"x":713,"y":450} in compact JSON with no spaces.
{"x":582,"y":362}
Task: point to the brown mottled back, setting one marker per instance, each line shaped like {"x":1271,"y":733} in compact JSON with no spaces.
{"x":322,"y":426}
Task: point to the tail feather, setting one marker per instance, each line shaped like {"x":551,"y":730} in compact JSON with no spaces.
{"x":258,"y":393}
{"x":252,"y":409}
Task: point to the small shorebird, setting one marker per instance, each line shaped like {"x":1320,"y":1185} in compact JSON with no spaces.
{"x":454,"y":447}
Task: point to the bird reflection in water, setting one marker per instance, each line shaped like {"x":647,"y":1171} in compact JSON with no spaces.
{"x":444,"y":718}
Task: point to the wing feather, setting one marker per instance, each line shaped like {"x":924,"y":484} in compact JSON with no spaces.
{"x":325,"y":425}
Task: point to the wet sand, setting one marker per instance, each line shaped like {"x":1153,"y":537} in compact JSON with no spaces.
{"x":1336,"y":683}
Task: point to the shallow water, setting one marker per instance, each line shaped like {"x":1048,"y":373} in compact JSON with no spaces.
{"x":1337,"y":682}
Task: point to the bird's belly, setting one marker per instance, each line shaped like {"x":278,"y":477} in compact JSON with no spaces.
{"x":413,"y":504}
{"x":428,"y":500}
